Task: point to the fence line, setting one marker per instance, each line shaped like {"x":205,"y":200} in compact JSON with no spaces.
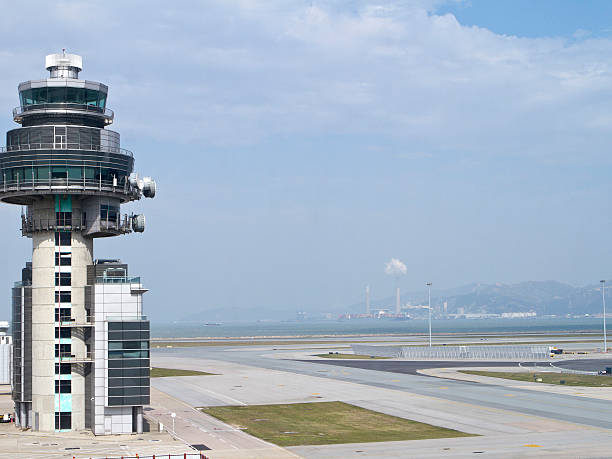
{"x":552,"y":368}
{"x":524,"y":352}
{"x":156,"y":456}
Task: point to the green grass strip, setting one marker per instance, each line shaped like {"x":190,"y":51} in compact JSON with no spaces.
{"x":166,"y":372}
{"x":324,"y":423}
{"x":569,"y":379}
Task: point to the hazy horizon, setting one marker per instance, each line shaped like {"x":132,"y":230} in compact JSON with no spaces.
{"x":299,"y":146}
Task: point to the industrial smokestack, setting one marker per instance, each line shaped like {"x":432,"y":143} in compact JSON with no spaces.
{"x":397,"y":301}
{"x":367,"y":299}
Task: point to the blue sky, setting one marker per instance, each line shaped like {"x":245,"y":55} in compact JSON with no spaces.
{"x":534,"y":18}
{"x":300,"y":145}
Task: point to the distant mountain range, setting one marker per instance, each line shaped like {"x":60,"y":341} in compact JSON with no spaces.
{"x":542,"y":297}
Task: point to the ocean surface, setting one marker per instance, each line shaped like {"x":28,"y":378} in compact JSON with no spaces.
{"x":373,"y":327}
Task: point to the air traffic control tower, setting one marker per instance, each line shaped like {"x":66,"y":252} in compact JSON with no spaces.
{"x":81,"y":341}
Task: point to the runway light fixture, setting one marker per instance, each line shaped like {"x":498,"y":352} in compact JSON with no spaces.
{"x":603,"y":300}
{"x":429,"y":302}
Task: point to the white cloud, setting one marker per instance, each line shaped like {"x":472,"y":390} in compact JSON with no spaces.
{"x":239,"y":71}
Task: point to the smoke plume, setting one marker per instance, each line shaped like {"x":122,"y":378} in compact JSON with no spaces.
{"x":395,"y":268}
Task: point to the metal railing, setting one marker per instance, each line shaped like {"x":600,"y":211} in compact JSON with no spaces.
{"x":22,"y":284}
{"x":65,"y":146}
{"x":67,"y":184}
{"x":55,"y":107}
{"x":125,"y":317}
{"x":117,"y":280}
{"x":158,"y":456}
{"x":122,"y":224}
{"x":66,"y":357}
{"x":72,"y":322}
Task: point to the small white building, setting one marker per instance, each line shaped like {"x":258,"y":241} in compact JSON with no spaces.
{"x":120,"y":343}
{"x":6,"y":352}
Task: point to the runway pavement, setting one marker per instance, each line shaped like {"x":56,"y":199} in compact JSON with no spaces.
{"x":406,"y":367}
{"x":584,"y":364}
{"x":263,"y":374}
{"x":560,"y":407}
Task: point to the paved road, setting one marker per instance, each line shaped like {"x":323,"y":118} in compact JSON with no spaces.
{"x":557,"y":445}
{"x":575,"y":409}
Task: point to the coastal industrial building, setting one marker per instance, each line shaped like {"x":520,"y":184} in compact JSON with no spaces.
{"x":81,"y":341}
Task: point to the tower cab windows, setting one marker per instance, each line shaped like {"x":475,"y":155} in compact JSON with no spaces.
{"x":63,"y":95}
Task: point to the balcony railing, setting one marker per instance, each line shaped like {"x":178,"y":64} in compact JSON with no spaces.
{"x":107,"y":113}
{"x":126,"y":318}
{"x":66,"y":146}
{"x":74,"y":323}
{"x":66,"y":185}
{"x":75,"y":358}
{"x":121,"y":224}
{"x":117,"y":280}
{"x":19,"y":284}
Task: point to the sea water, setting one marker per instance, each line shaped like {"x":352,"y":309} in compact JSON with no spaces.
{"x":375,"y":327}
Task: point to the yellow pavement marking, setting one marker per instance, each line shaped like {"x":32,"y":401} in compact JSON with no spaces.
{"x":533,"y":446}
{"x":443,"y":387}
{"x":508,"y":395}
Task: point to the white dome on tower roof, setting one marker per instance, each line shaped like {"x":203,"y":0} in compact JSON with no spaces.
{"x":63,"y":60}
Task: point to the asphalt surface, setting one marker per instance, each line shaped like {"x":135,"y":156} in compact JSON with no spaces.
{"x":584,"y":365}
{"x":572,"y":408}
{"x":409,"y":367}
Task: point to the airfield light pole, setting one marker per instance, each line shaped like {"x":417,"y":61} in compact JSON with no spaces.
{"x":603,"y":300}
{"x":429,"y":302}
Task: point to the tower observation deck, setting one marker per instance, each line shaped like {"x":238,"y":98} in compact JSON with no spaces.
{"x":71,"y":175}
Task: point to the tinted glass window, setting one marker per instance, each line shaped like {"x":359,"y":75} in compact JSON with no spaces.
{"x":62,"y":279}
{"x":63,"y":238}
{"x":63,"y":218}
{"x":109,"y":213}
{"x":63,"y":297}
{"x":91,"y":97}
{"x":63,"y":421}
{"x":63,"y":259}
{"x":62,"y":314}
{"x":75,"y":95}
{"x":62,"y":332}
{"x":63,"y":386}
{"x":56,"y":95}
{"x":39,"y":96}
